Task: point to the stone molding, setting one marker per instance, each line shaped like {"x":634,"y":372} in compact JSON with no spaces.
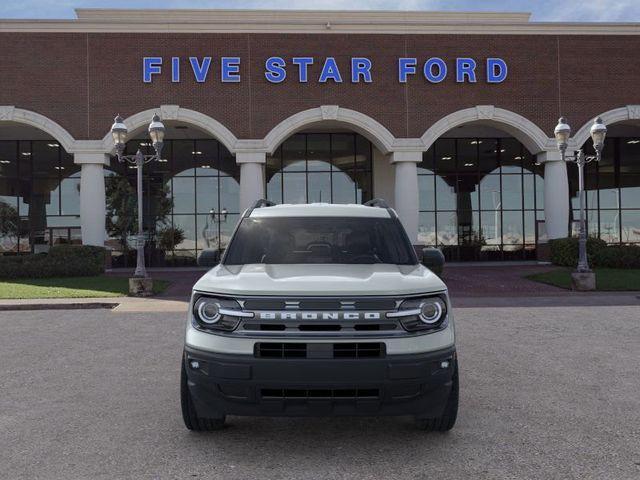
{"x":531,"y":136}
{"x":176,"y":113}
{"x":628,"y":112}
{"x":10,"y":113}
{"x":356,"y":121}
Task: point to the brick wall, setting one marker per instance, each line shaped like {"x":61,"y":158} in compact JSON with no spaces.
{"x":82,"y":80}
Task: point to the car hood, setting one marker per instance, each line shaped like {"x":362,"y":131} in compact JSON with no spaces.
{"x":319,"y":280}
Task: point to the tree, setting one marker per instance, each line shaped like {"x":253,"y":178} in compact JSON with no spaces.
{"x":9,"y":221}
{"x":122,"y":209}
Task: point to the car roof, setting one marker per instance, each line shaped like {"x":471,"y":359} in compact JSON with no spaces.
{"x":320,"y":210}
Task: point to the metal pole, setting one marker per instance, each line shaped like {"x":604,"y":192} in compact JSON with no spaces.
{"x":140,"y":268}
{"x":583,"y":263}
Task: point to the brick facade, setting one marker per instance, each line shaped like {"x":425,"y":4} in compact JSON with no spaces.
{"x":80,"y":80}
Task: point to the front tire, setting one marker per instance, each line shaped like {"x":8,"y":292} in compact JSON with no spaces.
{"x":447,"y":420}
{"x":189,"y":414}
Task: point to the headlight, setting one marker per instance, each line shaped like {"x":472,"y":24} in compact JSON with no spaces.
{"x":213,"y":313}
{"x":208,"y":310}
{"x":431,"y":311}
{"x":427,"y":313}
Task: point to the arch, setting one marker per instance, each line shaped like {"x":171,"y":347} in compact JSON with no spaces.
{"x":629,"y":112}
{"x":527,"y":132}
{"x":10,"y":113}
{"x":373,"y":130}
{"x":177,"y":113}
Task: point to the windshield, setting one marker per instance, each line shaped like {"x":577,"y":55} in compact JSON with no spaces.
{"x":344,"y":240}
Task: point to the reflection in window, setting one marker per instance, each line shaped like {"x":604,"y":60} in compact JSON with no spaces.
{"x":480,"y":198}
{"x":201,"y":179}
{"x":612,"y":188}
{"x":320,"y":167}
{"x":39,"y":196}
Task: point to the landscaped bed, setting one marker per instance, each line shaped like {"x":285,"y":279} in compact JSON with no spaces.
{"x":70,"y":287}
{"x":607,"y":279}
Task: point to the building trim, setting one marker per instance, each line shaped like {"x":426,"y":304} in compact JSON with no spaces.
{"x":629,"y":112}
{"x":177,"y":113}
{"x":10,"y":113}
{"x":527,"y":132}
{"x":378,"y":134}
{"x":309,"y":21}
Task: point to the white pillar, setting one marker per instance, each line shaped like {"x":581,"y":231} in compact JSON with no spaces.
{"x":556,"y":194}
{"x":92,"y":197}
{"x":406,"y":190}
{"x":251,"y":177}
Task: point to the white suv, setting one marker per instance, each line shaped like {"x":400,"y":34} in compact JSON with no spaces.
{"x":319,"y":309}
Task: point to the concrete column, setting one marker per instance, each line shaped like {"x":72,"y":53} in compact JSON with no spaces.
{"x":251,"y":177}
{"x":406,"y":190}
{"x":92,"y":197}
{"x":556,"y":194}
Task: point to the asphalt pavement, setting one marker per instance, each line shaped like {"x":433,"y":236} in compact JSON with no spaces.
{"x":546,"y":393}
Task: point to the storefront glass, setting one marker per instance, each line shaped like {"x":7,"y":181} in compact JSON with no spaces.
{"x":480,"y":199}
{"x":321,"y":167}
{"x":39,"y":196}
{"x":194,"y":191}
{"x":612,"y":192}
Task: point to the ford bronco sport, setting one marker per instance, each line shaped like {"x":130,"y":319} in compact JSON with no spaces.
{"x":319,"y":309}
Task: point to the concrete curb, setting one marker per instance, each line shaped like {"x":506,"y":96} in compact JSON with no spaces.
{"x":57,"y":306}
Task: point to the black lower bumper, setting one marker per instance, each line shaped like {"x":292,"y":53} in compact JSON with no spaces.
{"x":244,"y":385}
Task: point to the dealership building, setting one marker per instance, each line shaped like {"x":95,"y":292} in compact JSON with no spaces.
{"x":447,"y":116}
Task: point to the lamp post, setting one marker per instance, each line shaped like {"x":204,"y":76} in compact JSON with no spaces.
{"x":210,"y":231}
{"x":119,"y":133}
{"x":562,"y":133}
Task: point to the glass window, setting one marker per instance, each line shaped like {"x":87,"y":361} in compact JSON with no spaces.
{"x":426,"y":188}
{"x":307,"y":240}
{"x":184,"y":152}
{"x":293,"y":153}
{"x":427,"y":228}
{"x":319,"y":152}
{"x":445,"y":156}
{"x":512,"y":192}
{"x":630,"y":223}
{"x":207,"y":195}
{"x":445,"y":194}
{"x":320,"y":187}
{"x":294,"y":188}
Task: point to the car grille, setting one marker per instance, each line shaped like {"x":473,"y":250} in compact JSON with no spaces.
{"x":324,"y":393}
{"x":327,"y":304}
{"x":320,"y":350}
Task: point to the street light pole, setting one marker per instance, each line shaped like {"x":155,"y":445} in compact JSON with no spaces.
{"x":562,"y":133}
{"x":156,"y":132}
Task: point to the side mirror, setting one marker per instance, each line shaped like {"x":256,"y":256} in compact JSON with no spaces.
{"x":433,"y":259}
{"x":209,"y":258}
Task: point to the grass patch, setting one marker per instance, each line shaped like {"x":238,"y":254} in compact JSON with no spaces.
{"x":607,"y":279}
{"x":70,"y":287}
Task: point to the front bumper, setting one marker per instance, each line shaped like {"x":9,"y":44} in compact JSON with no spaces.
{"x":227,"y":384}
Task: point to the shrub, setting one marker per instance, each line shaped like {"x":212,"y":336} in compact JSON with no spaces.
{"x":564,"y":251}
{"x":61,"y":261}
{"x":618,"y":256}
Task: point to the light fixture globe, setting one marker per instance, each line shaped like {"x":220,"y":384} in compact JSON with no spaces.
{"x":156,"y":132}
{"x":119,"y":133}
{"x":598,"y":133}
{"x":562,"y":133}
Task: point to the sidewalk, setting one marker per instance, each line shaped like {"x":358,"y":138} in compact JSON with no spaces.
{"x":470,"y":286}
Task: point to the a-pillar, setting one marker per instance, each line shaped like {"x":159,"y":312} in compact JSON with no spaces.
{"x":556,"y":194}
{"x":251,"y":177}
{"x":406,"y":201}
{"x":92,"y":197}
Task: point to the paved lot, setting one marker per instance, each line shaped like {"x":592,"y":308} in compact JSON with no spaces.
{"x":546,"y":393}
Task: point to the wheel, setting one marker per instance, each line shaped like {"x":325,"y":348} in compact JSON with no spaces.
{"x":448,"y":418}
{"x":191,"y":419}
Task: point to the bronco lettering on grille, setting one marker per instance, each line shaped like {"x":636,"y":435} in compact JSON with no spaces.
{"x":319,"y":315}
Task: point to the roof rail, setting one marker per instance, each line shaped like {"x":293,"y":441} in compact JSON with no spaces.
{"x":263,"y":202}
{"x":381,"y":203}
{"x":377,"y":202}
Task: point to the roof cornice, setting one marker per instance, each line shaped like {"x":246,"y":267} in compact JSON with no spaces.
{"x":312,"y":21}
